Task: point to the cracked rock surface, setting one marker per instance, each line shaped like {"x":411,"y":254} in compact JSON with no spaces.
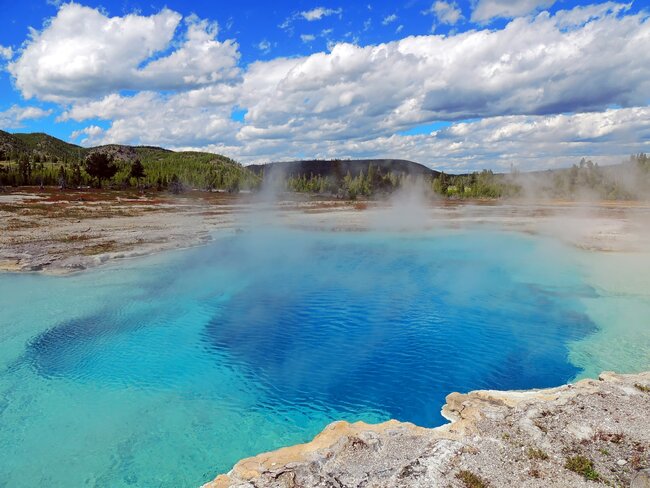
{"x":594,"y":432}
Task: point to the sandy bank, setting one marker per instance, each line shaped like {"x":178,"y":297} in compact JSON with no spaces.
{"x":591,"y":432}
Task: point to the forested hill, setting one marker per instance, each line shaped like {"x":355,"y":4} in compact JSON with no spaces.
{"x":44,"y":144}
{"x":38,"y":158}
{"x":39,"y":145}
{"x":338,"y":168}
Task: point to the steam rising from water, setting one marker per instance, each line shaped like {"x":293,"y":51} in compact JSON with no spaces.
{"x":260,"y":339}
{"x":407,"y":209}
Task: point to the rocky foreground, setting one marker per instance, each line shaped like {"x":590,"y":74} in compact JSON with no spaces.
{"x":585,"y":434}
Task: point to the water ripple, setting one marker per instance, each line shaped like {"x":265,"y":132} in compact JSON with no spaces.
{"x":259,"y":340}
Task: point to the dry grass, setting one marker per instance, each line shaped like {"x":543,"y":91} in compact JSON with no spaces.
{"x":17,"y":224}
{"x":471,"y":480}
{"x":643,"y":388}
{"x":74,"y":238}
{"x":534,"y":453}
{"x":613,"y":437}
{"x":100,"y":248}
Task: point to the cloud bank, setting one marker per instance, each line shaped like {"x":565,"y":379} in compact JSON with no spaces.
{"x":541,"y":91}
{"x":82,"y":53}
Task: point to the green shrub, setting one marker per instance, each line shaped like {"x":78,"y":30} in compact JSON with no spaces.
{"x":582,"y":466}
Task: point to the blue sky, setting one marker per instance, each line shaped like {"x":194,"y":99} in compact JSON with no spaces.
{"x":457,"y":85}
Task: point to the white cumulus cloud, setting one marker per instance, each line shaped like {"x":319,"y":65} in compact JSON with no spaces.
{"x":319,"y":12}
{"x":446,"y":12}
{"x":92,"y":132}
{"x":6,"y":52}
{"x":487,"y":10}
{"x":199,"y":116}
{"x":527,"y":142}
{"x":532,"y":66}
{"x":83,"y":53}
{"x":14,"y":116}
{"x":312,"y":15}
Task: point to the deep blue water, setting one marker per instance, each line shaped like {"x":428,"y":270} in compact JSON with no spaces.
{"x":166,"y":370}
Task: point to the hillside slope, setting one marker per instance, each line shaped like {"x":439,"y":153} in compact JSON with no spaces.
{"x":339,"y":168}
{"x":10,"y":143}
{"x":196,"y":169}
{"x":48,"y":146}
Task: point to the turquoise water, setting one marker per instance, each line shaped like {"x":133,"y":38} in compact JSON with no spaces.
{"x":166,"y":370}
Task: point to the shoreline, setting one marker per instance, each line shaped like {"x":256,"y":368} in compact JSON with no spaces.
{"x":57,"y":233}
{"x":495,"y":438}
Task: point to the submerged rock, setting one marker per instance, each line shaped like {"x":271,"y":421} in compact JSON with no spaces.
{"x":573,"y":435}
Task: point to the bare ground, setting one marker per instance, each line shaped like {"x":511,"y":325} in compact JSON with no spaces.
{"x":592,"y":433}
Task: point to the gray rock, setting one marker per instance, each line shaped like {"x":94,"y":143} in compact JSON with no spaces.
{"x":499,"y":439}
{"x":641,"y":479}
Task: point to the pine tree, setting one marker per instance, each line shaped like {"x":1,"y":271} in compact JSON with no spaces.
{"x":137,"y":171}
{"x":76,"y":175}
{"x":25,"y":169}
{"x":100,"y":165}
{"x":175,"y":185}
{"x":63,"y":178}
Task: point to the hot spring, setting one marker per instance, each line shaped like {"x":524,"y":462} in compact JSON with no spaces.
{"x":166,"y":370}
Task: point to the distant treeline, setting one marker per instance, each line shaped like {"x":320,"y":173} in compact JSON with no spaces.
{"x":626,"y":181}
{"x":375,"y":182}
{"x":629,"y":180}
{"x":40,"y":159}
{"x":160,"y":169}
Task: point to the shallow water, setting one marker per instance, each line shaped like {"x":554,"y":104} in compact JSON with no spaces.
{"x":164,"y":371}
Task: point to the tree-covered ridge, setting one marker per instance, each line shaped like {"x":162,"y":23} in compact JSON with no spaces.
{"x":377,"y":182}
{"x":9,"y":143}
{"x":196,"y":169}
{"x":339,"y":168}
{"x":626,"y":181}
{"x":47,"y":146}
{"x":40,"y":159}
